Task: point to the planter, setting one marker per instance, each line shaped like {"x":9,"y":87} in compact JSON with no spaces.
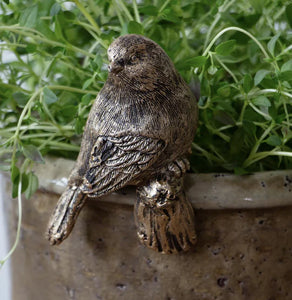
{"x":244,"y":244}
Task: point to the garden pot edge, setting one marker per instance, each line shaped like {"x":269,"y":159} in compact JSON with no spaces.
{"x":205,"y":191}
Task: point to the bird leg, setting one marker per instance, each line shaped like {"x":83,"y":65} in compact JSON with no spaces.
{"x":163,"y":215}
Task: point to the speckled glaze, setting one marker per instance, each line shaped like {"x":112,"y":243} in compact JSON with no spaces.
{"x":241,"y":253}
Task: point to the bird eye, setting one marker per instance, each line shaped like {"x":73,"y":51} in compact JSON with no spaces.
{"x":134,"y":59}
{"x":120,"y":62}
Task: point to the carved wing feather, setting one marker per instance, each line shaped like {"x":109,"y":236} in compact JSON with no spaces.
{"x":114,"y":161}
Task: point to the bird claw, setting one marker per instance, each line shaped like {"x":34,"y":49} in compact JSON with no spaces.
{"x":179,"y":167}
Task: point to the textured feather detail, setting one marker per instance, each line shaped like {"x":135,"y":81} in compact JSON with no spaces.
{"x":65,"y":214}
{"x":115,"y":161}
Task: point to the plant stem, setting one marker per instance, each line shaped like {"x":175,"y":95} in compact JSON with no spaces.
{"x":125,"y":9}
{"x":86,"y":60}
{"x":268,"y":91}
{"x":245,"y":104}
{"x":71,"y":89}
{"x":35,"y":126}
{"x":226,"y":69}
{"x":264,"y":154}
{"x":235,"y":29}
{"x":286,"y":50}
{"x":120,"y":17}
{"x":88,"y":16}
{"x":23,"y":113}
{"x":39,"y":37}
{"x":91,"y":28}
{"x":18,"y":224}
{"x":163,"y":6}
{"x":258,"y":142}
{"x":38,"y":135}
{"x":76,"y":69}
{"x":207,"y":154}
{"x":267,"y":117}
{"x":137,"y":16}
{"x":225,"y":137}
{"x":12,"y":45}
{"x":15,"y":87}
{"x":57,"y":145}
{"x":221,"y":9}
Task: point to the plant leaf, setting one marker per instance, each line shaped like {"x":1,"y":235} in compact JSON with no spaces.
{"x":223,"y":117}
{"x":289,"y":14}
{"x":236,"y":142}
{"x":20,"y":98}
{"x":286,"y":76}
{"x":135,"y":27}
{"x":15,"y":175}
{"x":272,"y":43}
{"x":24,"y":182}
{"x":33,"y":184}
{"x":205,"y":87}
{"x":196,"y":62}
{"x":56,"y":7}
{"x":33,"y":153}
{"x":225,"y":48}
{"x":49,"y":96}
{"x":224,"y":90}
{"x":247,"y":83}
{"x":274,"y":140}
{"x":86,"y":99}
{"x":170,"y":15}
{"x":149,"y":10}
{"x":98,"y":60}
{"x":29,"y":17}
{"x":87,"y":83}
{"x":261,"y":101}
{"x":68,"y":112}
{"x":260,"y":75}
{"x":79,"y":125}
{"x":258,"y":5}
{"x":58,"y":28}
{"x":287,"y":66}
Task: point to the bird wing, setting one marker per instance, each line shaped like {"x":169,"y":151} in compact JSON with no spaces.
{"x":115,"y":161}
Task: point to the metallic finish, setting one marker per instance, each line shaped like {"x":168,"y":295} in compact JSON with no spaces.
{"x":163,"y":215}
{"x":139,"y":132}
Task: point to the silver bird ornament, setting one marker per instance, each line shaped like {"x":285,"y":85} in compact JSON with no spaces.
{"x":139,"y":132}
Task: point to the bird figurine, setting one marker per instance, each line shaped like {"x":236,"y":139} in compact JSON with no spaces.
{"x":139,"y":132}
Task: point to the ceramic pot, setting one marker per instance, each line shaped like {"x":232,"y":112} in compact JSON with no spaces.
{"x":244,"y":247}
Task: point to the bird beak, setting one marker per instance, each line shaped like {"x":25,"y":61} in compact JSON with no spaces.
{"x":114,"y":68}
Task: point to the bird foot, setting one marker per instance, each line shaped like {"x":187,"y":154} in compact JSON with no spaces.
{"x":164,"y":217}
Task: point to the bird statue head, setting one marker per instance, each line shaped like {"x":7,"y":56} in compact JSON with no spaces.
{"x":139,"y":63}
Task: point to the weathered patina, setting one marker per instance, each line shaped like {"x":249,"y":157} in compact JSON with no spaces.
{"x":139,"y":132}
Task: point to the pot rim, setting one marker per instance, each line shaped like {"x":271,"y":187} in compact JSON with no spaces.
{"x":205,"y":191}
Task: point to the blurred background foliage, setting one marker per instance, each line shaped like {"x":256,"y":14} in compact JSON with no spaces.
{"x":53,"y":63}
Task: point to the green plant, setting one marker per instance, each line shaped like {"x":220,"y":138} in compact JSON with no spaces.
{"x":240,"y":51}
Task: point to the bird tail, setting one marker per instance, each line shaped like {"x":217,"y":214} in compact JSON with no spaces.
{"x":165,"y":225}
{"x":65,"y":214}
